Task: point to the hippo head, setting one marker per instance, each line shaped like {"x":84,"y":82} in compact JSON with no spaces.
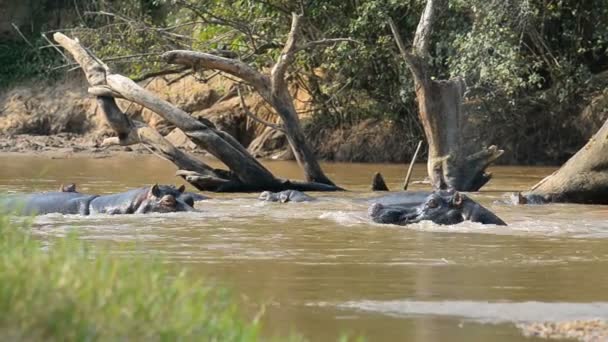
{"x":68,"y":188}
{"x":164,"y":199}
{"x":269,"y":196}
{"x":442,"y":207}
{"x":178,"y":193}
{"x":285,"y":196}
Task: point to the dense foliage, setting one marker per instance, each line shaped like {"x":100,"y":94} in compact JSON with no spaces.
{"x":20,"y":61}
{"x":517,"y":56}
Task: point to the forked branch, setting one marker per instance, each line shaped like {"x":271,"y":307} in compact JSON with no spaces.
{"x":255,"y":117}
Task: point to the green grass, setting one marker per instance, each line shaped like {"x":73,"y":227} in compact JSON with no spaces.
{"x":68,"y":291}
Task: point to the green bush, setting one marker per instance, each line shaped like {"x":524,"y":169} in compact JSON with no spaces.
{"x":22,"y":62}
{"x":68,"y":291}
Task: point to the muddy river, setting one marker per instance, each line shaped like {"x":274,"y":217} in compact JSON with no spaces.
{"x":322,"y":268}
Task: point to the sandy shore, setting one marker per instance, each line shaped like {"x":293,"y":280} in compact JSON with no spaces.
{"x":584,"y":330}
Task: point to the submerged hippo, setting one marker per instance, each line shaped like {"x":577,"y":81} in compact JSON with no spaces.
{"x":68,"y":188}
{"x":156,"y":198}
{"x":179,"y":193}
{"x":285,"y":196}
{"x":442,"y":207}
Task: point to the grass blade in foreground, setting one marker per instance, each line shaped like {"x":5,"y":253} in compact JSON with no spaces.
{"x":69,"y":293}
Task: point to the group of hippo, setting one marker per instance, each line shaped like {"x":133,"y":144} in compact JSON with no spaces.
{"x":442,"y":207}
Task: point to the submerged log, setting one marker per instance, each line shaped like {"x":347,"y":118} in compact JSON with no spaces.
{"x":246,"y":173}
{"x":453,"y":162}
{"x":582,"y":179}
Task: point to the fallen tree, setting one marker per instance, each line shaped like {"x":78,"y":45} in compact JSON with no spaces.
{"x":246,"y":173}
{"x":582,"y":179}
{"x":272,"y":88}
{"x":454,"y":162}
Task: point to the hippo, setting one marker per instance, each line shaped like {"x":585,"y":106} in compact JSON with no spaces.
{"x":285,"y":196}
{"x":445,"y":207}
{"x":68,"y":188}
{"x":156,"y":198}
{"x":519,"y":198}
{"x":179,"y":193}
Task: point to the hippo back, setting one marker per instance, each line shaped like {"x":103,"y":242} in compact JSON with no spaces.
{"x":122,"y":203}
{"x":47,"y":203}
{"x":405,"y":198}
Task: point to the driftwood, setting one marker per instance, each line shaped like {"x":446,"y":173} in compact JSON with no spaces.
{"x":453,"y":162}
{"x":582,"y":179}
{"x":246,"y":173}
{"x":272,"y":88}
{"x":410,"y":169}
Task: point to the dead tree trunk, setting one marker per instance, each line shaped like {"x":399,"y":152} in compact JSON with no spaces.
{"x":453,"y":162}
{"x":272,"y":88}
{"x":246,"y":173}
{"x":582,"y":179}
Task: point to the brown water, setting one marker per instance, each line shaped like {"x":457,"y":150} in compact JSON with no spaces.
{"x":322,"y":268}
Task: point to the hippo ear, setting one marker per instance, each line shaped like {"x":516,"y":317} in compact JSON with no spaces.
{"x":155,"y":191}
{"x":457,"y":199}
{"x":182,"y":188}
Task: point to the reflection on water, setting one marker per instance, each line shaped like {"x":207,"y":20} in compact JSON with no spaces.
{"x":323,"y":268}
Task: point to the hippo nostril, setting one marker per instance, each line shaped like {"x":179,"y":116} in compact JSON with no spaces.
{"x":169,"y":201}
{"x":264,"y":195}
{"x":375,"y":209}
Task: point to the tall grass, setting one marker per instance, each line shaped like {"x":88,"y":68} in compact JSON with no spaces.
{"x":69,"y":292}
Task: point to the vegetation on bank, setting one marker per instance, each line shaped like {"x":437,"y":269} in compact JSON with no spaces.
{"x":68,"y":292}
{"x":23,"y":61}
{"x":530,"y":65}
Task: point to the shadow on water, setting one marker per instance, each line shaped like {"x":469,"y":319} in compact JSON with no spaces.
{"x":323,"y":268}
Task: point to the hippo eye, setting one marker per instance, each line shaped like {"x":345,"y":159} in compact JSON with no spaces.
{"x":432,"y":203}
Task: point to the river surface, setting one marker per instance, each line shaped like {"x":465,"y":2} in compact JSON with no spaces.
{"x":322,"y":268}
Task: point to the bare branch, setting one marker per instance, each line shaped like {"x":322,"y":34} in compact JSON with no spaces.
{"x":55,"y":47}
{"x":95,"y":71}
{"x":398,"y":38}
{"x":227,"y":65}
{"x":425,"y":27}
{"x":139,"y":25}
{"x":414,"y":62}
{"x":287,"y":55}
{"x":108,"y":14}
{"x":22,"y":35}
{"x":136,"y":55}
{"x":254,"y":117}
{"x":160,"y":73}
{"x":103,"y":90}
{"x":406,"y":181}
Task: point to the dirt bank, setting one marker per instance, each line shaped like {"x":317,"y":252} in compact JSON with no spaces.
{"x":63,"y":145}
{"x":62,"y":117}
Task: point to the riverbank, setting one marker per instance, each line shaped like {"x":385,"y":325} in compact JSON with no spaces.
{"x":61,"y":118}
{"x":63,"y":145}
